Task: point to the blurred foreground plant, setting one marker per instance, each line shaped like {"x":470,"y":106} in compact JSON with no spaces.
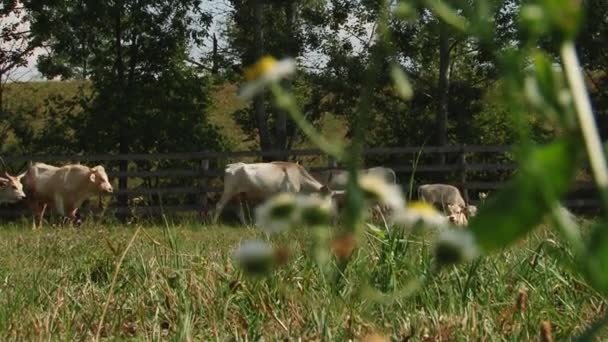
{"x":532,"y":82}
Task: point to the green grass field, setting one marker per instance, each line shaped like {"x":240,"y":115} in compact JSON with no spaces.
{"x":179,"y":282}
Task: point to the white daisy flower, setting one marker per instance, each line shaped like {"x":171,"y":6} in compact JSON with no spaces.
{"x":376,"y":189}
{"x":419,"y":213}
{"x":277,"y":214}
{"x":454,"y":246}
{"x":267,"y":70}
{"x":315,"y":209}
{"x":255,"y":256}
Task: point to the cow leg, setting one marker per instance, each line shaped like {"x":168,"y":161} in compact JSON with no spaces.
{"x":226,"y":196}
{"x":33,"y":206}
{"x":78,"y":217}
{"x":39,"y":214}
{"x":241,"y":212}
{"x":71,"y":215}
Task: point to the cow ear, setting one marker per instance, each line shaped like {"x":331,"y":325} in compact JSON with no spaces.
{"x":21,"y":175}
{"x":92,"y":177}
{"x":4,"y":181}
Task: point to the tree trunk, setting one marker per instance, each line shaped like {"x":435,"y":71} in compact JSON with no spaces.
{"x":122,"y":112}
{"x":281,"y":115}
{"x":214,"y":57}
{"x":258,"y":101}
{"x":443,"y":88}
{"x":2,"y":97}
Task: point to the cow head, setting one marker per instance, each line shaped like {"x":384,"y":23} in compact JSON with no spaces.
{"x":457,"y":215}
{"x":11,"y":189}
{"x":99,"y":177}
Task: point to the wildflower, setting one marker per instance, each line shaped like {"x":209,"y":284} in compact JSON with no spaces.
{"x":545,"y":332}
{"x":521,"y":304}
{"x":276,"y":214}
{"x":255,"y":256}
{"x":455,"y":247}
{"x":267,"y":70}
{"x":419,"y":213}
{"x":343,"y":246}
{"x":138,"y":200}
{"x":377,"y":190}
{"x":314,"y":209}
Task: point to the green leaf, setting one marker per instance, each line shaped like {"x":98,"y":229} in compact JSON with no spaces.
{"x":597,"y":257}
{"x":549,"y":94}
{"x":447,"y":14}
{"x":405,"y":11}
{"x":545,"y":175}
{"x":558,"y":18}
{"x":402,"y":84}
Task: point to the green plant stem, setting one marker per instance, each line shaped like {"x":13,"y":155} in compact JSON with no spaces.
{"x":586,"y":119}
{"x":569,"y":228}
{"x":287,"y":102}
{"x":114,"y":278}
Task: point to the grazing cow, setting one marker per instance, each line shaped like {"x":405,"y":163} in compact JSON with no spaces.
{"x":11,"y":189}
{"x":64,"y":187}
{"x":337,"y":179}
{"x":448,"y":198}
{"x":457,"y":215}
{"x":259,"y":181}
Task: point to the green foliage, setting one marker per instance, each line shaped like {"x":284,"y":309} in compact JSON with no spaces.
{"x":597,"y":257}
{"x":38,"y":116}
{"x":144,"y":97}
{"x":546,"y":171}
{"x":521,"y":206}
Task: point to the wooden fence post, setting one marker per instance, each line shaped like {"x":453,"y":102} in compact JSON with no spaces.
{"x":463,"y":172}
{"x":204,"y":199}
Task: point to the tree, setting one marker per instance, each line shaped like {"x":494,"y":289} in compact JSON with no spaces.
{"x":594,"y":57}
{"x":145,"y":97}
{"x":16,"y":45}
{"x":277,"y":30}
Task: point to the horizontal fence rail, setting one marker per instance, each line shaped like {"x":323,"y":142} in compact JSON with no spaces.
{"x":192,"y":181}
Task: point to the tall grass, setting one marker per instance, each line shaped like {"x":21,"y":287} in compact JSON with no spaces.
{"x":177,"y":281}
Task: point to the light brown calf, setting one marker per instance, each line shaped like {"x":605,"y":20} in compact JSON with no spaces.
{"x":64,"y":187}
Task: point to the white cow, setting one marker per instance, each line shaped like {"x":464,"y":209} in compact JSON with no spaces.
{"x":11,"y":189}
{"x":338,"y":179}
{"x":448,"y":198}
{"x":259,"y":181}
{"x":64,"y":187}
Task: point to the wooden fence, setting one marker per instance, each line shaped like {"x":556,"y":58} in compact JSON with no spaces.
{"x":193,"y":185}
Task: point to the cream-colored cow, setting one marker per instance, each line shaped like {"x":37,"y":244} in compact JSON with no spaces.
{"x":447,"y":198}
{"x":259,"y":181}
{"x":64,"y":187}
{"x":11,"y":189}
